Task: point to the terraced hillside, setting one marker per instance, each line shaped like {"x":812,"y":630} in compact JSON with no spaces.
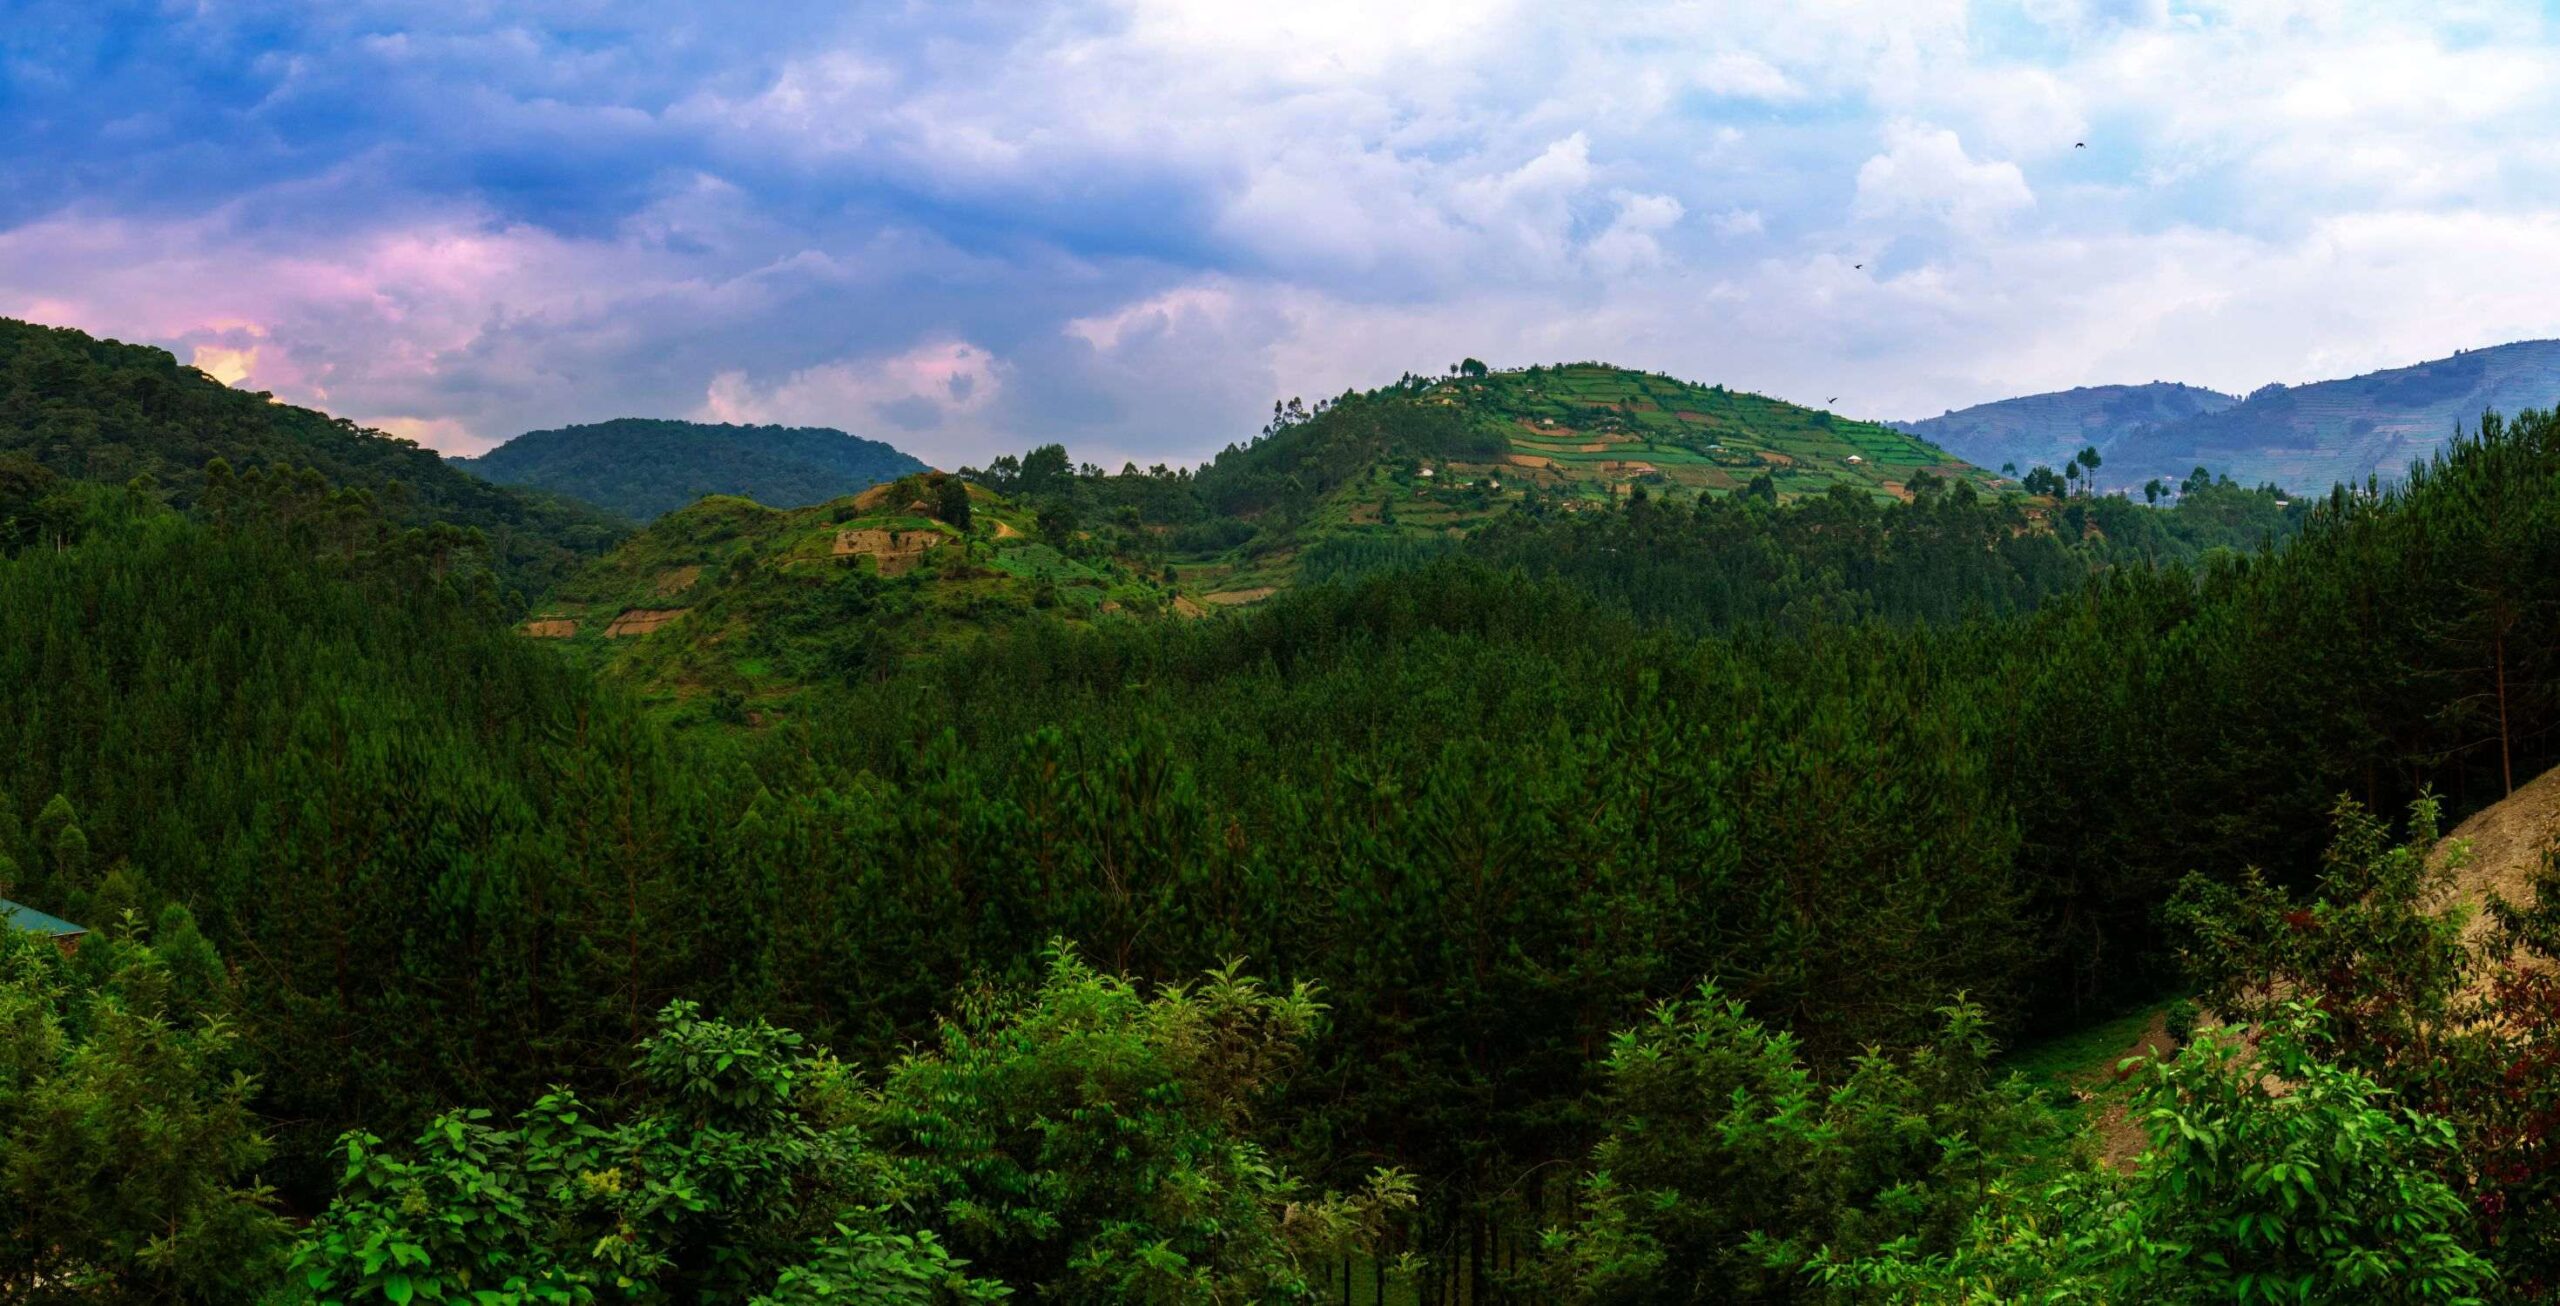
{"x":1411,"y":466}
{"x":729,"y":608}
{"x":2048,"y":428}
{"x":1590,"y":432}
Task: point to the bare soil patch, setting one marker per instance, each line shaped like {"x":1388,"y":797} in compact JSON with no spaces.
{"x":1238,"y":598}
{"x":677,"y":580}
{"x":2507,"y":840}
{"x":551,"y":628}
{"x":1005,"y":530}
{"x":1184,"y":607}
{"x":897,"y":551}
{"x":640,"y":621}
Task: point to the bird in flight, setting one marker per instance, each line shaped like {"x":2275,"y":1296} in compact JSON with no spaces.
{"x":2079,"y":145}
{"x":1857,"y":265}
{"x":1832,"y":400}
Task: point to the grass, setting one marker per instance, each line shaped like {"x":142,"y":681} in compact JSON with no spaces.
{"x":2058,"y":1063}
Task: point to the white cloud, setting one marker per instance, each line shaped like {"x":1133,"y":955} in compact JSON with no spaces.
{"x":1134,"y":224}
{"x":1925,"y":172}
{"x":923,"y":390}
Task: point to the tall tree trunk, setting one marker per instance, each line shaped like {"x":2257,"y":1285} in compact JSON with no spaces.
{"x":2506,"y":751}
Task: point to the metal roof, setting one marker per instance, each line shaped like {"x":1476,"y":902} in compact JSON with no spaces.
{"x":32,"y":921}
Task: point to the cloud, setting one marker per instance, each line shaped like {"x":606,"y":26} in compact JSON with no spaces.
{"x":1925,"y":172}
{"x":1132,"y":224}
{"x":925,"y":389}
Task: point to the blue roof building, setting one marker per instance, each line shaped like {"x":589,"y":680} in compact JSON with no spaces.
{"x":21,"y":917}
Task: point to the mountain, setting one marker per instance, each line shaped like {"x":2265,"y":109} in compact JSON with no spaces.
{"x":644,"y":468}
{"x":2310,"y":437}
{"x":102,"y":410}
{"x":726,"y":605}
{"x":2304,"y":438}
{"x":2048,"y":428}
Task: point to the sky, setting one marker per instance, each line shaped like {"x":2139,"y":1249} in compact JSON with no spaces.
{"x":1131,"y":225}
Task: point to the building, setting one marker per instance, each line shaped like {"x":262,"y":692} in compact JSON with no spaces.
{"x":64,"y":934}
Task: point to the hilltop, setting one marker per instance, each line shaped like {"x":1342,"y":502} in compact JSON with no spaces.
{"x":2305,"y":438}
{"x":1431,"y":459}
{"x":729,"y":607}
{"x":103,"y":410}
{"x":2047,"y":429}
{"x":644,"y":468}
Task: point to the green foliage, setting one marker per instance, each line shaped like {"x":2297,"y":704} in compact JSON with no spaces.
{"x":1085,"y":1144}
{"x":129,"y":1148}
{"x":2274,"y":1175}
{"x":1091,"y":1142}
{"x":951,"y":501}
{"x":1729,"y":1166}
{"x":644,"y":468}
{"x":729,"y":1164}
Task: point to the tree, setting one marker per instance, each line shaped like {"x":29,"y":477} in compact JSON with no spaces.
{"x":2274,"y":1175}
{"x":737,"y":1168}
{"x":1082,"y":1142}
{"x":2153,"y":490}
{"x":1045,"y":470}
{"x":1474,"y":368}
{"x":1090,"y":1142}
{"x":1729,"y":1169}
{"x":127,"y":1138}
{"x":951,"y":501}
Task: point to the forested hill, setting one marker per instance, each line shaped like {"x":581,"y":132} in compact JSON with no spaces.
{"x":102,"y":410}
{"x":2049,"y":428}
{"x":643,"y":468}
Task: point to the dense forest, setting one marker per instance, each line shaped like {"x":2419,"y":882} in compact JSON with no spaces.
{"x":1622,"y":905}
{"x":644,"y":468}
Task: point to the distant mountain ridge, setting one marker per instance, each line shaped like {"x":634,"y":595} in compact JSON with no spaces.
{"x":2049,"y":428}
{"x":645,"y":468}
{"x":2305,"y":438}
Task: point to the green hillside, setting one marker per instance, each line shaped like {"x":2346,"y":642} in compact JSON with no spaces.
{"x":1589,"y":431}
{"x":644,"y":468}
{"x":729,"y":607}
{"x":102,"y":410}
{"x":1411,"y":466}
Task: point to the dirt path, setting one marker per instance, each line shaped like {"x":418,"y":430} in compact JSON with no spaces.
{"x":2120,"y":1138}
